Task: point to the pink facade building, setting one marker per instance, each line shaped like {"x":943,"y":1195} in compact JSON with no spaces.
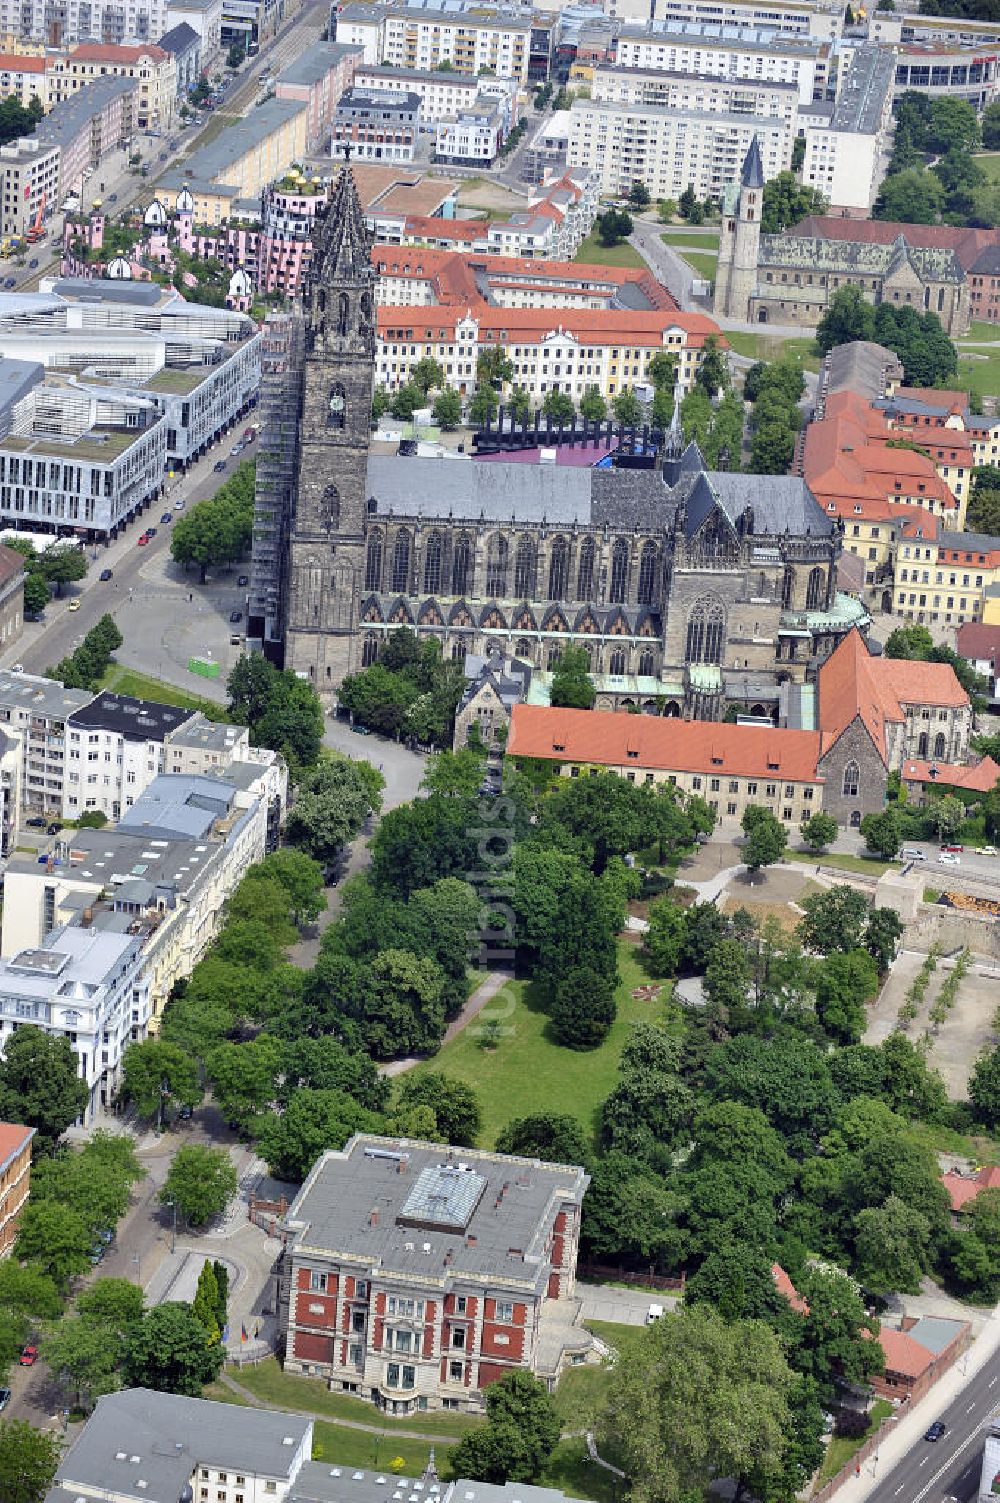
{"x":318,"y":80}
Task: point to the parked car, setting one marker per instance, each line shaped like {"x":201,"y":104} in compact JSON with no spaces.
{"x":180,"y":504}
{"x":936,"y":1430}
{"x":360,"y":730}
{"x":17,"y":667}
{"x":243,"y":581}
{"x":947,"y":859}
{"x":950,"y":845}
{"x":36,"y":822}
{"x":986,"y":850}
{"x":53,"y":828}
{"x":4,"y":1398}
{"x":74,"y":605}
{"x":220,"y":465}
{"x":105,"y":575}
{"x":912,"y":853}
{"x":141,"y":542}
{"x":248,"y":433}
{"x":8,"y":281}
{"x":653,"y":1314}
{"x":33,"y":263}
{"x":29,"y":1356}
{"x":151,"y":532}
{"x":167,"y":516}
{"x":235,"y":616}
{"x":113,"y":199}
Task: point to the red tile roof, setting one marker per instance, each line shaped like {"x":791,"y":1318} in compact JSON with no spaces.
{"x":978,"y":779}
{"x":903,"y":1355}
{"x":975,"y":640}
{"x":13,"y":1137}
{"x":588,"y":326}
{"x":611,"y":739}
{"x":446,"y":229}
{"x":108,"y":52}
{"x":965,"y":1187}
{"x":16,"y":63}
{"x":967,"y":244}
{"x":853,"y":468}
{"x":853,"y":684}
{"x":11,"y":563}
{"x":784,"y":1286}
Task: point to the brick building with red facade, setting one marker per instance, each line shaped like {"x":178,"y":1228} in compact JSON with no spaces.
{"x":416,"y":1275}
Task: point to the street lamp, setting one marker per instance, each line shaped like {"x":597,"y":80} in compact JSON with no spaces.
{"x":173,"y":1225}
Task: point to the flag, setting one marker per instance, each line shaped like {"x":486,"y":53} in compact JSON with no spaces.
{"x":243,"y":1333}
{"x":27,"y":190}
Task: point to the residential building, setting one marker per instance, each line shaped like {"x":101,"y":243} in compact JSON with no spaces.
{"x":968,"y":783}
{"x":822,"y":19}
{"x":174,"y":1445}
{"x":964,"y":1187}
{"x":24,"y":76}
{"x":443,"y":96}
{"x":34,"y":712}
{"x":29,"y":181}
{"x":184,"y":45}
{"x":318,"y":79}
{"x":15,"y":1180}
{"x":791,"y":277}
{"x":758,"y":54}
{"x":469,"y":38}
{"x":548,"y":150}
{"x":153,"y":67}
{"x":493,"y":686}
{"x":944,"y":576}
{"x":909,"y":26}
{"x":559,"y":217}
{"x":668,"y":148}
{"x":204,"y":17}
{"x":12,"y":573}
{"x":115,"y":748}
{"x":989,"y":1476}
{"x":730,"y":766}
{"x":874,"y":714}
{"x":770,"y":99}
{"x":240,"y":162}
{"x":474,"y":137}
{"x":11,"y":789}
{"x":372,"y":125}
{"x":94,"y":120}
{"x":201,"y":746}
{"x":845,"y":153}
{"x":82,"y":21}
{"x":979,"y":644}
{"x":417,"y":1276}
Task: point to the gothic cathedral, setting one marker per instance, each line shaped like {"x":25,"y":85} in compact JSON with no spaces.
{"x":327,"y":536}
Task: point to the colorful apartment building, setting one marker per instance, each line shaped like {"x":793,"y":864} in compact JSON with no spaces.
{"x":15,"y":1180}
{"x":416,"y":1275}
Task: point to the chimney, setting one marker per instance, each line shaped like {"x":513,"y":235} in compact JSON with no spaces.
{"x":471,"y":1240}
{"x":373,"y":1216}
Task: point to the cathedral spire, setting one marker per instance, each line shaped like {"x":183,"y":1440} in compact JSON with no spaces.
{"x":342,"y":244}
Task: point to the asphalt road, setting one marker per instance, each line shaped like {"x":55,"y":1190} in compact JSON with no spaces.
{"x":948,"y":1468}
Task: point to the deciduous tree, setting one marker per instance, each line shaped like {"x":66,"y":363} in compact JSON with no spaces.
{"x":168,"y":1352}
{"x":201,"y":1182}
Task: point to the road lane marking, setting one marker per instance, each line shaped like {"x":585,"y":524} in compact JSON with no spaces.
{"x":970,"y":1408}
{"x":899,"y":1490}
{"x":925,"y":1461}
{"x":991,"y":1383}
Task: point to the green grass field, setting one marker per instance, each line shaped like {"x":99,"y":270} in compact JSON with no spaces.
{"x":980,"y":374}
{"x":775,"y":347}
{"x":597,"y":254}
{"x":841,"y":1449}
{"x":695,"y":239}
{"x":142,"y":686}
{"x":981,"y":332}
{"x":528,"y":1073}
{"x":989,"y":161}
{"x":267,"y":1381}
{"x":873,"y":868}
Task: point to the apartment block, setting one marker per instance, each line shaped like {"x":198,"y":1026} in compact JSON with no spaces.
{"x":83,"y":20}
{"x":317,"y":80}
{"x":416,"y":1276}
{"x":442,"y":95}
{"x":374,"y":125}
{"x":35,"y":711}
{"x":845,"y":145}
{"x":703,"y":93}
{"x":752,"y":53}
{"x":474,"y":138}
{"x":669,"y":149}
{"x":153,"y":68}
{"x":468,"y":38}
{"x":15,"y":1180}
{"x":29,"y":180}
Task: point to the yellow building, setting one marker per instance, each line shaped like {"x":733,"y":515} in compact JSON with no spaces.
{"x":155,"y":69}
{"x":240,"y":162}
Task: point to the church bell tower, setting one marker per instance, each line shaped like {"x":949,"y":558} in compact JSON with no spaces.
{"x":326,"y":543}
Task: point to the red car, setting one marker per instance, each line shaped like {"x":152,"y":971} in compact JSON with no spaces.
{"x":29,"y":1356}
{"x":143,"y":540}
{"x":956,"y":850}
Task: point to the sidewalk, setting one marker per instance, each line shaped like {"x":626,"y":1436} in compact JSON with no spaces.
{"x":909,"y":1429}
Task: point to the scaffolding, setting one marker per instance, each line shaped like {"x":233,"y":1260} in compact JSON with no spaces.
{"x":277,"y":462}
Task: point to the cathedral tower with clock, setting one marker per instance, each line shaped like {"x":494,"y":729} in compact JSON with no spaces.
{"x":326,"y":548}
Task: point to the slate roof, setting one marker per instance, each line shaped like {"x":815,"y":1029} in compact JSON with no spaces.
{"x":780,"y":503}
{"x":752,"y":175}
{"x":987,"y":263}
{"x":966,"y":243}
{"x":813,"y":253}
{"x":179,"y":39}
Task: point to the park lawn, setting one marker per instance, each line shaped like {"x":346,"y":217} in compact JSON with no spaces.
{"x":978,"y":370}
{"x":597,"y":254}
{"x":841,"y":1448}
{"x":700,"y":261}
{"x":290,"y":1391}
{"x":696,"y":239}
{"x":527,"y":1072}
{"x":980,"y":330}
{"x":129,"y":681}
{"x":989,"y":161}
{"x":775,"y":347}
{"x":868,"y":867}
{"x":571,"y":1470}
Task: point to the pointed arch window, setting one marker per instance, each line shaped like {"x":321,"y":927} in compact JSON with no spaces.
{"x":558,"y":569}
{"x":646,"y":668}
{"x":369,"y":650}
{"x":787,"y":589}
{"x":373,"y":562}
{"x":432,"y":564}
{"x":816,"y":590}
{"x":647,"y":575}
{"x":343,"y":315}
{"x":706,"y":632}
{"x":461,"y":564}
{"x":401,"y":563}
{"x":852,"y":780}
{"x":525,"y":568}
{"x":523,"y":649}
{"x":922,"y":744}
{"x":616,"y":665}
{"x":496,"y":566}
{"x":619,"y":572}
{"x":337,"y":410}
{"x":939,"y":744}
{"x":585,"y":573}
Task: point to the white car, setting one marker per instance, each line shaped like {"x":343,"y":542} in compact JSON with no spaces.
{"x":180,"y":504}
{"x":947,"y":859}
{"x":912,"y":853}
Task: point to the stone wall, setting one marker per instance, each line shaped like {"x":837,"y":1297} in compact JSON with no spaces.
{"x":951,"y":930}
